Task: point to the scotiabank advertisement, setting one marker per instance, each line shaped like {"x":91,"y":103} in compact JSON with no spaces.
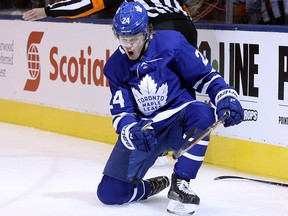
{"x":61,"y":65}
{"x":56,"y":64}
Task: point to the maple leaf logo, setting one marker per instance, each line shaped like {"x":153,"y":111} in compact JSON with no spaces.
{"x":149,"y":98}
{"x":138,"y":8}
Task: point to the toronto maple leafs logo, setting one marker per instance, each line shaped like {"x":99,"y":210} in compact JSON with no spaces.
{"x":138,"y":8}
{"x":150,"y":98}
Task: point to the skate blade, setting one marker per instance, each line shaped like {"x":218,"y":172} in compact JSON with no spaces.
{"x":178,"y":208}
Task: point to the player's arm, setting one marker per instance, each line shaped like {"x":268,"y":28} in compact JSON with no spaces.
{"x":122,"y":105}
{"x":74,"y":8}
{"x":134,"y":132}
{"x":198,"y":72}
{"x":68,"y":9}
{"x":34,"y":14}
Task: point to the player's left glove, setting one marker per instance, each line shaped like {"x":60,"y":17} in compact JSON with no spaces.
{"x":227,"y":99}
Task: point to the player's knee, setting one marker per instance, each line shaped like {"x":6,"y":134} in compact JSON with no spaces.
{"x":112,"y":191}
{"x":208,"y":118}
{"x":201,"y":115}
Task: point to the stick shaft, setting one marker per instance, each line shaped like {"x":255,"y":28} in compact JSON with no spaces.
{"x":252,"y":179}
{"x":205,"y":133}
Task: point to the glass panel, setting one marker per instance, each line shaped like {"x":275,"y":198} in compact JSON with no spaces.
{"x":268,"y":12}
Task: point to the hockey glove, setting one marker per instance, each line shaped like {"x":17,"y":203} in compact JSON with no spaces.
{"x":227,"y":99}
{"x":139,"y":136}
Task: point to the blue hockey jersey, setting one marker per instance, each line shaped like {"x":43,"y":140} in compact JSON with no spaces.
{"x":161,"y":83}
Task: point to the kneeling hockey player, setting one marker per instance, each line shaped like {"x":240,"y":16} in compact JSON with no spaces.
{"x":151,"y":75}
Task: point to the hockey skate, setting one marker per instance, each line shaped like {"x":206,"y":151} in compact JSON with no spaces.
{"x":183,"y":200}
{"x":157,"y":184}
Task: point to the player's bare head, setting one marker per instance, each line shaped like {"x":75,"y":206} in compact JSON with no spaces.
{"x":130,"y":26}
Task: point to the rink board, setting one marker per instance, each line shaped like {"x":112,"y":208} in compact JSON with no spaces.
{"x":251,"y":157}
{"x":53,"y":80}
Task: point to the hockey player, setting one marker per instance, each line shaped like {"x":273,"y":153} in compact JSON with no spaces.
{"x":153,"y":110}
{"x":162,"y":14}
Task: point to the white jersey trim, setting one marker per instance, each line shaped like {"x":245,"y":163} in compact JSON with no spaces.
{"x":167,"y":114}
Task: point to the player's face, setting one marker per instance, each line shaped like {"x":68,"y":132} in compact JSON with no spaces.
{"x":133,"y":45}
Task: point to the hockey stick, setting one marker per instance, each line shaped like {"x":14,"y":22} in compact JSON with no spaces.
{"x":205,"y":133}
{"x":251,"y":179}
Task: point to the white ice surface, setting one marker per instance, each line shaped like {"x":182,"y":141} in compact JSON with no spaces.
{"x":48,"y":174}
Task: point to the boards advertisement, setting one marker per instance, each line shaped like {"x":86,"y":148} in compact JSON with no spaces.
{"x":60,"y":65}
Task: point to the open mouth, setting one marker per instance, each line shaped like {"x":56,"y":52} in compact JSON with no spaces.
{"x":130,"y":53}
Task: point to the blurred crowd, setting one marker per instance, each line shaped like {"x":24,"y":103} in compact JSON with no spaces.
{"x":274,"y":12}
{"x":268,"y":12}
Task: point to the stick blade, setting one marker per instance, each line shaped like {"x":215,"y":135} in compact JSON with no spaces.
{"x":228,"y":177}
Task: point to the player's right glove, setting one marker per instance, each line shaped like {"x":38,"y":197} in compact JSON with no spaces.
{"x":227,"y":99}
{"x":139,"y":136}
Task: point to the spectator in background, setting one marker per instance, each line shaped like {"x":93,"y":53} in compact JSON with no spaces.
{"x":247,"y":11}
{"x":275,"y":12}
{"x":253,"y":11}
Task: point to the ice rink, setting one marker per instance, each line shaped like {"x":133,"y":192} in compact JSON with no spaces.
{"x":48,"y":174}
